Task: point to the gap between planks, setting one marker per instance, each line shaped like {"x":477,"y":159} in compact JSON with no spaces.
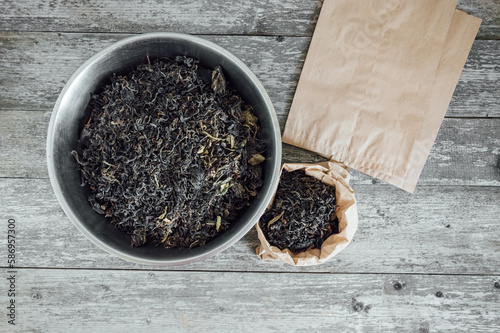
{"x":146,"y":270}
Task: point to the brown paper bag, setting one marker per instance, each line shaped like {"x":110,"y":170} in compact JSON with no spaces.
{"x":376,"y":83}
{"x":461,"y":34}
{"x":330,"y":173}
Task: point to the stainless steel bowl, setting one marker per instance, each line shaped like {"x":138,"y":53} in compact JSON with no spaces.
{"x":70,"y":108}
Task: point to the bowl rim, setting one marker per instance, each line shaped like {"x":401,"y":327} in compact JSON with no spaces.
{"x":276,"y":134}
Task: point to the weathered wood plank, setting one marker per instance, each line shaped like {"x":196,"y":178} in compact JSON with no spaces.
{"x":198,"y":17}
{"x":35,"y":66}
{"x":472,"y":98}
{"x":438,"y":229}
{"x":29,"y":81}
{"x":22,"y":144}
{"x":450,"y":232}
{"x":466,"y":151}
{"x":119,"y":301}
{"x":488,"y":11}
{"x":258,"y":17}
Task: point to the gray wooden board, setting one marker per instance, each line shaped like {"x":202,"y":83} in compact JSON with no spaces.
{"x":22,"y":144}
{"x":443,"y":238}
{"x":258,"y":17}
{"x":35,"y":66}
{"x":438,"y":229}
{"x":466,"y":152}
{"x":59,"y":300}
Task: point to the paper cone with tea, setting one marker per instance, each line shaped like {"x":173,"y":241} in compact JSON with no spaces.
{"x":312,"y":217}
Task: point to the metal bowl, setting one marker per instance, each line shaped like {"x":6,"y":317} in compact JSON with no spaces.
{"x":71,"y":106}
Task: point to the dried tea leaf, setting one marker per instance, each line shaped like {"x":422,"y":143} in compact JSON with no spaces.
{"x":211,"y":136}
{"x":249,"y":118}
{"x":276,"y":218}
{"x":256,"y":159}
{"x":230,"y":139}
{"x":218,"y":81}
{"x":218,"y":223}
{"x":162,"y":216}
{"x":225,"y":187}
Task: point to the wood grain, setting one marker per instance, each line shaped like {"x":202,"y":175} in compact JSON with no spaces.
{"x":122,"y":301}
{"x":258,"y":17}
{"x":440,"y":241}
{"x":466,"y":151}
{"x":28,"y":80}
{"x":35,"y":66}
{"x":22,"y":144}
{"x":438,"y":229}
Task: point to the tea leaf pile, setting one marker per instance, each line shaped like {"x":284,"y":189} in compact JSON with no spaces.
{"x":302,"y":215}
{"x":171,"y":153}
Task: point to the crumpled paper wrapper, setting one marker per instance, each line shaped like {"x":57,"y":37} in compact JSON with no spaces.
{"x":330,"y":173}
{"x":377,"y":81}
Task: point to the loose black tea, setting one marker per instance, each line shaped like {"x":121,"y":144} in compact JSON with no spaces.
{"x":171,"y":153}
{"x":302,"y":215}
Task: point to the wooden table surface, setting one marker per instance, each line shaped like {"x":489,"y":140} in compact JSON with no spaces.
{"x":440,"y":245}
